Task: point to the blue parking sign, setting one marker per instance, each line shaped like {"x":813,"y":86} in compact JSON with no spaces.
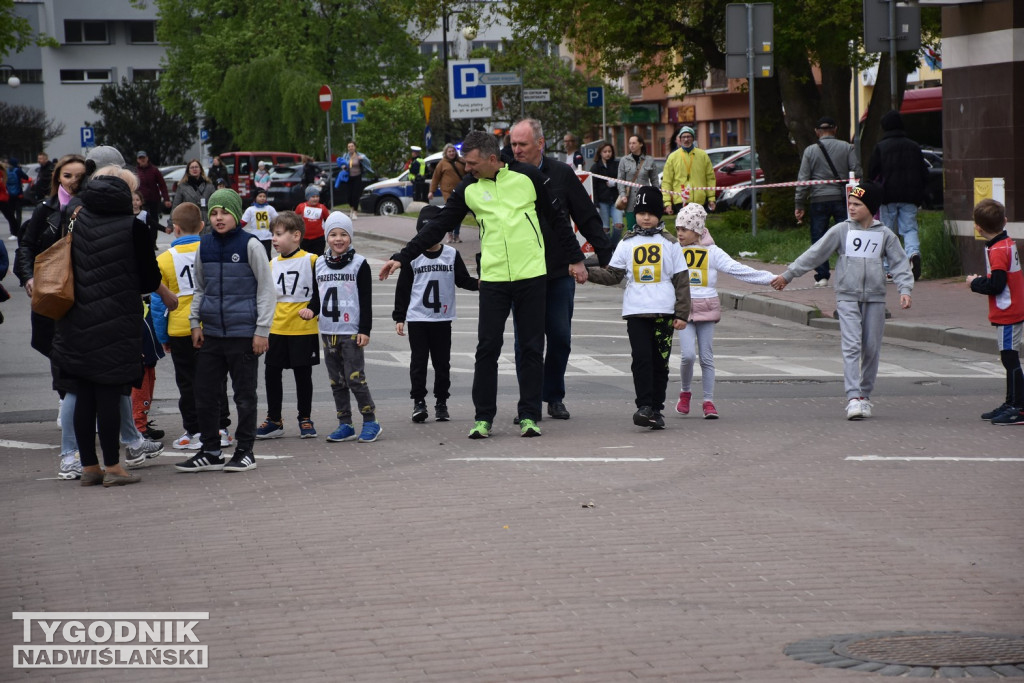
{"x":468,"y":96}
{"x":595,"y":96}
{"x":88,"y":136}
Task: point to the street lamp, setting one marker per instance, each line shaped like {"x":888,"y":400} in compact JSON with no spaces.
{"x":13,"y":80}
{"x":468,"y":32}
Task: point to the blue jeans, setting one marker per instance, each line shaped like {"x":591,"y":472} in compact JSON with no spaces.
{"x":823,"y":215}
{"x":68,"y":442}
{"x":610,"y":218}
{"x":902,"y":217}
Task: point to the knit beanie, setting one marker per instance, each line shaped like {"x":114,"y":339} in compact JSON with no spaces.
{"x":648,"y":199}
{"x":870,"y":194}
{"x":227,"y":200}
{"x":339,"y":221}
{"x":892,"y":121}
{"x":692,"y":217}
{"x":312,"y":191}
{"x":101,"y":156}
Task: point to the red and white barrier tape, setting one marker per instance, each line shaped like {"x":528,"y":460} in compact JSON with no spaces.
{"x":685,"y":193}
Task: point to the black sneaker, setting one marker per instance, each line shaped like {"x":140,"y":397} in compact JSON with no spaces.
{"x":1010,"y":416}
{"x":995,"y":413}
{"x":644,"y":417}
{"x":441,"y":412}
{"x":915,"y":266}
{"x":659,"y":420}
{"x":242,"y":461}
{"x":202,"y":462}
{"x":419,"y":411}
{"x":152,"y":434}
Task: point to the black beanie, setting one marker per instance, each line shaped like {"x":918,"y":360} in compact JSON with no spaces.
{"x":870,"y":194}
{"x":892,"y":121}
{"x":648,"y":200}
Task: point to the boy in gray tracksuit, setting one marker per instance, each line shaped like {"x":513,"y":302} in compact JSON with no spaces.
{"x":862,"y":243}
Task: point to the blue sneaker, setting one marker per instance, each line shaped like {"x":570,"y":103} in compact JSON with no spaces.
{"x":371,"y":430}
{"x":344,"y":432}
{"x":270,"y":429}
{"x":306,"y":429}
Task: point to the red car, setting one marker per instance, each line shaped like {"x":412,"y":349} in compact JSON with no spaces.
{"x":733,"y":169}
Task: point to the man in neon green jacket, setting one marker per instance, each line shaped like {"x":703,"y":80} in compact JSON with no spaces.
{"x":519,"y":220}
{"x":687,"y":166}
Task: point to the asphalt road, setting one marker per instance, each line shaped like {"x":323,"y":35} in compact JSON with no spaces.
{"x":598,"y":552}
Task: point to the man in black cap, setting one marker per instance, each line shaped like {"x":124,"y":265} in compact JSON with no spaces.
{"x":897,"y":164}
{"x":827,"y":159}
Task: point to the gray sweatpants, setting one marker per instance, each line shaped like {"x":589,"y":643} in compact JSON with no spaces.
{"x":860,"y":327}
{"x":696,"y":337}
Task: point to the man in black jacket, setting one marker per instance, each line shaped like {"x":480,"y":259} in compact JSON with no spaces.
{"x":897,"y":164}
{"x":527,"y":140}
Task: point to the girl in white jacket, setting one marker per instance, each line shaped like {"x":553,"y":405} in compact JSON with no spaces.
{"x":704,"y":260}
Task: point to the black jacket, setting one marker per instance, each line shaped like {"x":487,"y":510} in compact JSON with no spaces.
{"x":100,"y":338}
{"x":42,"y":231}
{"x":897,"y":164}
{"x":566,"y":187}
{"x":603,"y":193}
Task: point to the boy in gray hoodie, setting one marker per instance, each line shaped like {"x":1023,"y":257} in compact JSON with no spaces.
{"x":862,"y":243}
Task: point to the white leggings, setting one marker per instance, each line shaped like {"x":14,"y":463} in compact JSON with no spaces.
{"x":697,"y":335}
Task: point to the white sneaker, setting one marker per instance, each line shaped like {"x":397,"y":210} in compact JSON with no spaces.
{"x":13,"y":237}
{"x":225,"y":439}
{"x":854,"y":409}
{"x":70,"y":467}
{"x":191,"y":442}
{"x":865,"y":407}
{"x":147,"y":450}
{"x":821,"y":283}
{"x":352,"y":215}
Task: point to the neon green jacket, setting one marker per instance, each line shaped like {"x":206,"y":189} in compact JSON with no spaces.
{"x":688,"y":169}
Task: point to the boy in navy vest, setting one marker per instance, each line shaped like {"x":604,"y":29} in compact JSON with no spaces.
{"x":232,"y":310}
{"x":425,"y":307}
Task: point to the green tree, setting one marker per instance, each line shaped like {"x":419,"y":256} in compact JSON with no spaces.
{"x":390,"y":126}
{"x":25,"y":131}
{"x":256,"y":65}
{"x":16,"y":32}
{"x":132,"y":118}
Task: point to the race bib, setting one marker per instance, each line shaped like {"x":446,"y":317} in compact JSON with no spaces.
{"x":184,"y":271}
{"x":311,"y":213}
{"x":293,"y":279}
{"x":863,"y":244}
{"x":647,"y":263}
{"x":697,"y":262}
{"x":262,"y":221}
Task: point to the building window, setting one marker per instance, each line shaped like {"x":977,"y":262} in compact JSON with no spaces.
{"x":24,"y":75}
{"x":731,"y":132}
{"x":714,"y":134}
{"x":142,"y":32}
{"x":428,"y":49}
{"x":85,"y":76}
{"x":146,"y":75}
{"x":636,"y":84}
{"x":94,"y":32}
{"x":717,"y":80}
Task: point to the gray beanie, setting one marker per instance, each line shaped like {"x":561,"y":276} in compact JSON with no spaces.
{"x":105,"y":155}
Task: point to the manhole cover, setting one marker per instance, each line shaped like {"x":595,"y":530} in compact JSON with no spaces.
{"x":937,"y":649}
{"x":917,"y":654}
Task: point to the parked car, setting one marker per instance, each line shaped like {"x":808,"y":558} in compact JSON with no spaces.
{"x":933,"y":194}
{"x":242,"y":165}
{"x":393,"y":196}
{"x":737,"y":197}
{"x":734,"y":168}
{"x":172,"y":176}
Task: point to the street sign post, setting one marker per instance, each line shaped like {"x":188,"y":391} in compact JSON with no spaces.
{"x":595,"y":98}
{"x":468,"y":96}
{"x":88,"y":137}
{"x":326,"y":98}
{"x":501,"y":78}
{"x":537,"y":95}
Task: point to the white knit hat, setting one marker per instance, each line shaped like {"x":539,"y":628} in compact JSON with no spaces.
{"x":692,"y":217}
{"x":339,"y":221}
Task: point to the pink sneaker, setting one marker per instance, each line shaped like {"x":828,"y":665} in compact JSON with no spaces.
{"x":683,"y":406}
{"x":709,"y":411}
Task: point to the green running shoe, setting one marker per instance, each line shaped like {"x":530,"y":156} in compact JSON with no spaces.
{"x":481,"y":430}
{"x":528,"y":427}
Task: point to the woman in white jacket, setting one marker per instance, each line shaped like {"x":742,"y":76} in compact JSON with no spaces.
{"x":704,"y":259}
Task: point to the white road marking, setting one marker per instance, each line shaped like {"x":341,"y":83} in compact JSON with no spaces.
{"x":189,"y":454}
{"x":924,"y":458}
{"x":5,"y":443}
{"x":557,"y":459}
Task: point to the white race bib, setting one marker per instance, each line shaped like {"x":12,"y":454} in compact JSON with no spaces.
{"x":312,"y":213}
{"x":864,"y":244}
{"x":293,"y":279}
{"x":184,"y":271}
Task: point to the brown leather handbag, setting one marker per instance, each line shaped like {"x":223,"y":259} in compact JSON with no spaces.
{"x":53,"y":279}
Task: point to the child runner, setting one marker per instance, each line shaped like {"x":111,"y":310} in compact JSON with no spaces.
{"x":859,"y":282}
{"x":425,"y":306}
{"x":313,"y":214}
{"x":656,"y":301}
{"x":704,"y":260}
{"x":232,"y":310}
{"x":346,"y":317}
{"x":1004,"y":285}
{"x":257,"y":219}
{"x":293,"y":336}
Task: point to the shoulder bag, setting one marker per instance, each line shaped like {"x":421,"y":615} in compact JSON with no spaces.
{"x":53,"y":280}
{"x":623,"y":199}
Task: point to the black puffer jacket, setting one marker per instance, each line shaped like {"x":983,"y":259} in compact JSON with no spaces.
{"x":898,"y":165}
{"x":100,"y":338}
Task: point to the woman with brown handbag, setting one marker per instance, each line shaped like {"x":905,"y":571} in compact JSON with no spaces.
{"x":447,"y":175}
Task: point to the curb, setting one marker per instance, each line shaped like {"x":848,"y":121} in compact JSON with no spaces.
{"x":958,"y":337}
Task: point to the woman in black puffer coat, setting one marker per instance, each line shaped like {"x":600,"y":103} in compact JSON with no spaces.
{"x":97,"y":349}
